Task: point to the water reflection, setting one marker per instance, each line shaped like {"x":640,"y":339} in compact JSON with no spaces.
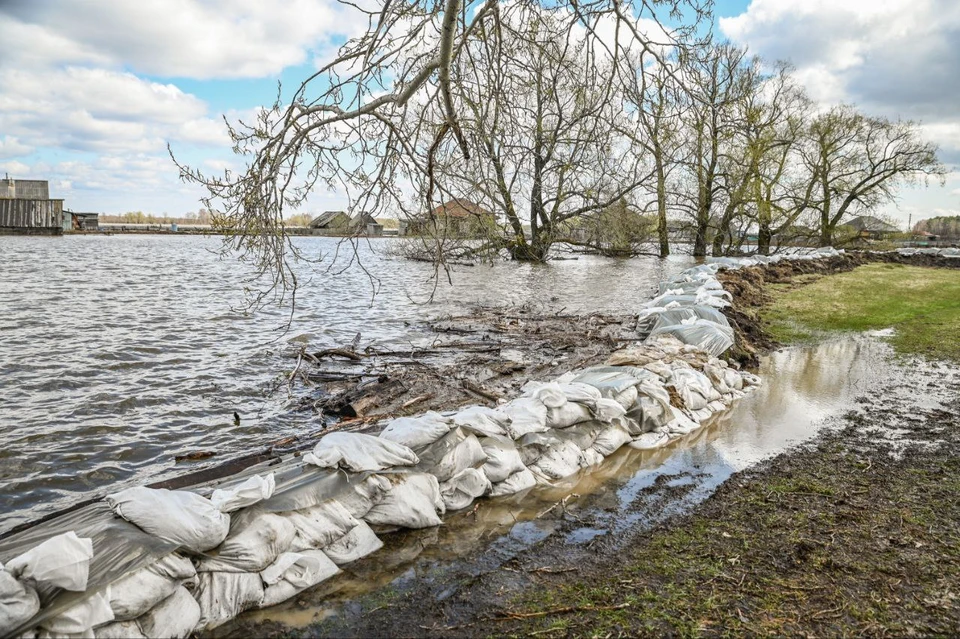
{"x":803,"y":387}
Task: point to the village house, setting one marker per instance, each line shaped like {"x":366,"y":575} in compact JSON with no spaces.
{"x":872,"y":228}
{"x":339,"y":223}
{"x":454,"y":218}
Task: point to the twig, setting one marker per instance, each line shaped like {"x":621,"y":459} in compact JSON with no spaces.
{"x":558,"y":611}
{"x":482,"y":392}
{"x":341,"y":352}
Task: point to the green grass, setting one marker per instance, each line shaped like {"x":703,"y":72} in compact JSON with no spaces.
{"x":922,"y":304}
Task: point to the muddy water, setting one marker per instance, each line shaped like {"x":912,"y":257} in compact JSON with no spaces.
{"x":803,"y":388}
{"x":119,"y":353}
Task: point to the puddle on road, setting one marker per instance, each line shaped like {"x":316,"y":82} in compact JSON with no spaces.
{"x":803,"y":386}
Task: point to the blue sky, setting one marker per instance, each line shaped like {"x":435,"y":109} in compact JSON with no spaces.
{"x":92,"y":92}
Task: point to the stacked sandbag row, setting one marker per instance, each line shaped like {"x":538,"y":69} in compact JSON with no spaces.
{"x":938,"y":252}
{"x":262,"y":540}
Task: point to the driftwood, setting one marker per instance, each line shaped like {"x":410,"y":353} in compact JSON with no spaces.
{"x":339,"y":352}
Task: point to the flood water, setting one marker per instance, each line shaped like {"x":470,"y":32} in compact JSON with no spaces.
{"x":804,"y":389}
{"x":118,"y":353}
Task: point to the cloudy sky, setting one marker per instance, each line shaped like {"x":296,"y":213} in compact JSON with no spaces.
{"x":91,"y":92}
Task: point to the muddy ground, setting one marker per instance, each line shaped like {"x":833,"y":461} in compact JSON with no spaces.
{"x":855,"y":534}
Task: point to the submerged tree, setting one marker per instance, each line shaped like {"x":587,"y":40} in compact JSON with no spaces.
{"x":348,"y":126}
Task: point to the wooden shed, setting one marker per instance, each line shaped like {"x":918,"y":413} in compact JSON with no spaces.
{"x":26,"y":208}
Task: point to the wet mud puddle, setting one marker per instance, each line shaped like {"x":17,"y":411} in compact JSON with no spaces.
{"x":803,"y":388}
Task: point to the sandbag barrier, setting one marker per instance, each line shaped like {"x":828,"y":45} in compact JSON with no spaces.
{"x":167,"y":563}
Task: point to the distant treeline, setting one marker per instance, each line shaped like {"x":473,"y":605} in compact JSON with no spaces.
{"x":947,"y":226}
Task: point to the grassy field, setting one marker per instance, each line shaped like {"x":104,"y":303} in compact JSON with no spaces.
{"x":922,"y":304}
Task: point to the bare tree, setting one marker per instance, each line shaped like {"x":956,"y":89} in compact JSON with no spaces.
{"x":774,"y":112}
{"x":548,"y":143}
{"x":654,"y":92}
{"x":347,"y":126}
{"x":856,"y":163}
{"x":715,"y":87}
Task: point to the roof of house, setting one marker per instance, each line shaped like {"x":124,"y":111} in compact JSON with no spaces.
{"x":458,"y":207}
{"x":326,"y":218}
{"x":363,"y":219}
{"x":872,"y":224}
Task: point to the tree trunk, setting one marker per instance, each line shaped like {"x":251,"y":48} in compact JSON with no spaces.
{"x":662,"y":209}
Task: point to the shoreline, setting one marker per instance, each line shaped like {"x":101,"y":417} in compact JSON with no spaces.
{"x":853,"y":532}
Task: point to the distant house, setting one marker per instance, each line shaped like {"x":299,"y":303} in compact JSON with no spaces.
{"x":339,"y":223}
{"x":73,"y":221}
{"x":454,"y":218}
{"x":26,"y":208}
{"x":872,"y":228}
{"x":331,"y":220}
{"x":366,"y":224}
{"x":924,"y":236}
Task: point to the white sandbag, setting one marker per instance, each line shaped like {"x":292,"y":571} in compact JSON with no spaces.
{"x":62,"y":561}
{"x":627,"y":397}
{"x":704,"y":334}
{"x":567,"y":415}
{"x":364,"y":494}
{"x":716,"y":375}
{"x":138,"y":592}
{"x":527,"y":415}
{"x":555,"y":395}
{"x":481,"y":420}
{"x":460,"y":490}
{"x":119,"y":630}
{"x":321,"y":525}
{"x":293,"y":573}
{"x":650,"y":441}
{"x":176,"y":616}
{"x":417,"y":432}
{"x":609,"y":409}
{"x":18,"y":603}
{"x":224,"y":595}
{"x":256,"y":539}
{"x":681,"y":424}
{"x":583,"y":435}
{"x":174,"y":566}
{"x":660,"y":369}
{"x":749,"y":379}
{"x":179,"y":516}
{"x":590,"y":457}
{"x":451,"y":454}
{"x":689,"y":389}
{"x":733,"y":379}
{"x":610,"y":439}
{"x":515,"y":483}
{"x":81,"y":617}
{"x":359,"y":453}
{"x":413,"y":502}
{"x":559,"y":461}
{"x":356,"y":544}
{"x":251,"y":491}
{"x":532,"y":445}
{"x":503,"y":458}
{"x":653,"y":415}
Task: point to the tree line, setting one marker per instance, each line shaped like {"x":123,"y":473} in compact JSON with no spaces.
{"x":556,"y":117}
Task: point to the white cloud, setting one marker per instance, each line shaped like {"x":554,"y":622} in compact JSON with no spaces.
{"x":11,"y":147}
{"x":895,"y":58}
{"x":174,"y":38}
